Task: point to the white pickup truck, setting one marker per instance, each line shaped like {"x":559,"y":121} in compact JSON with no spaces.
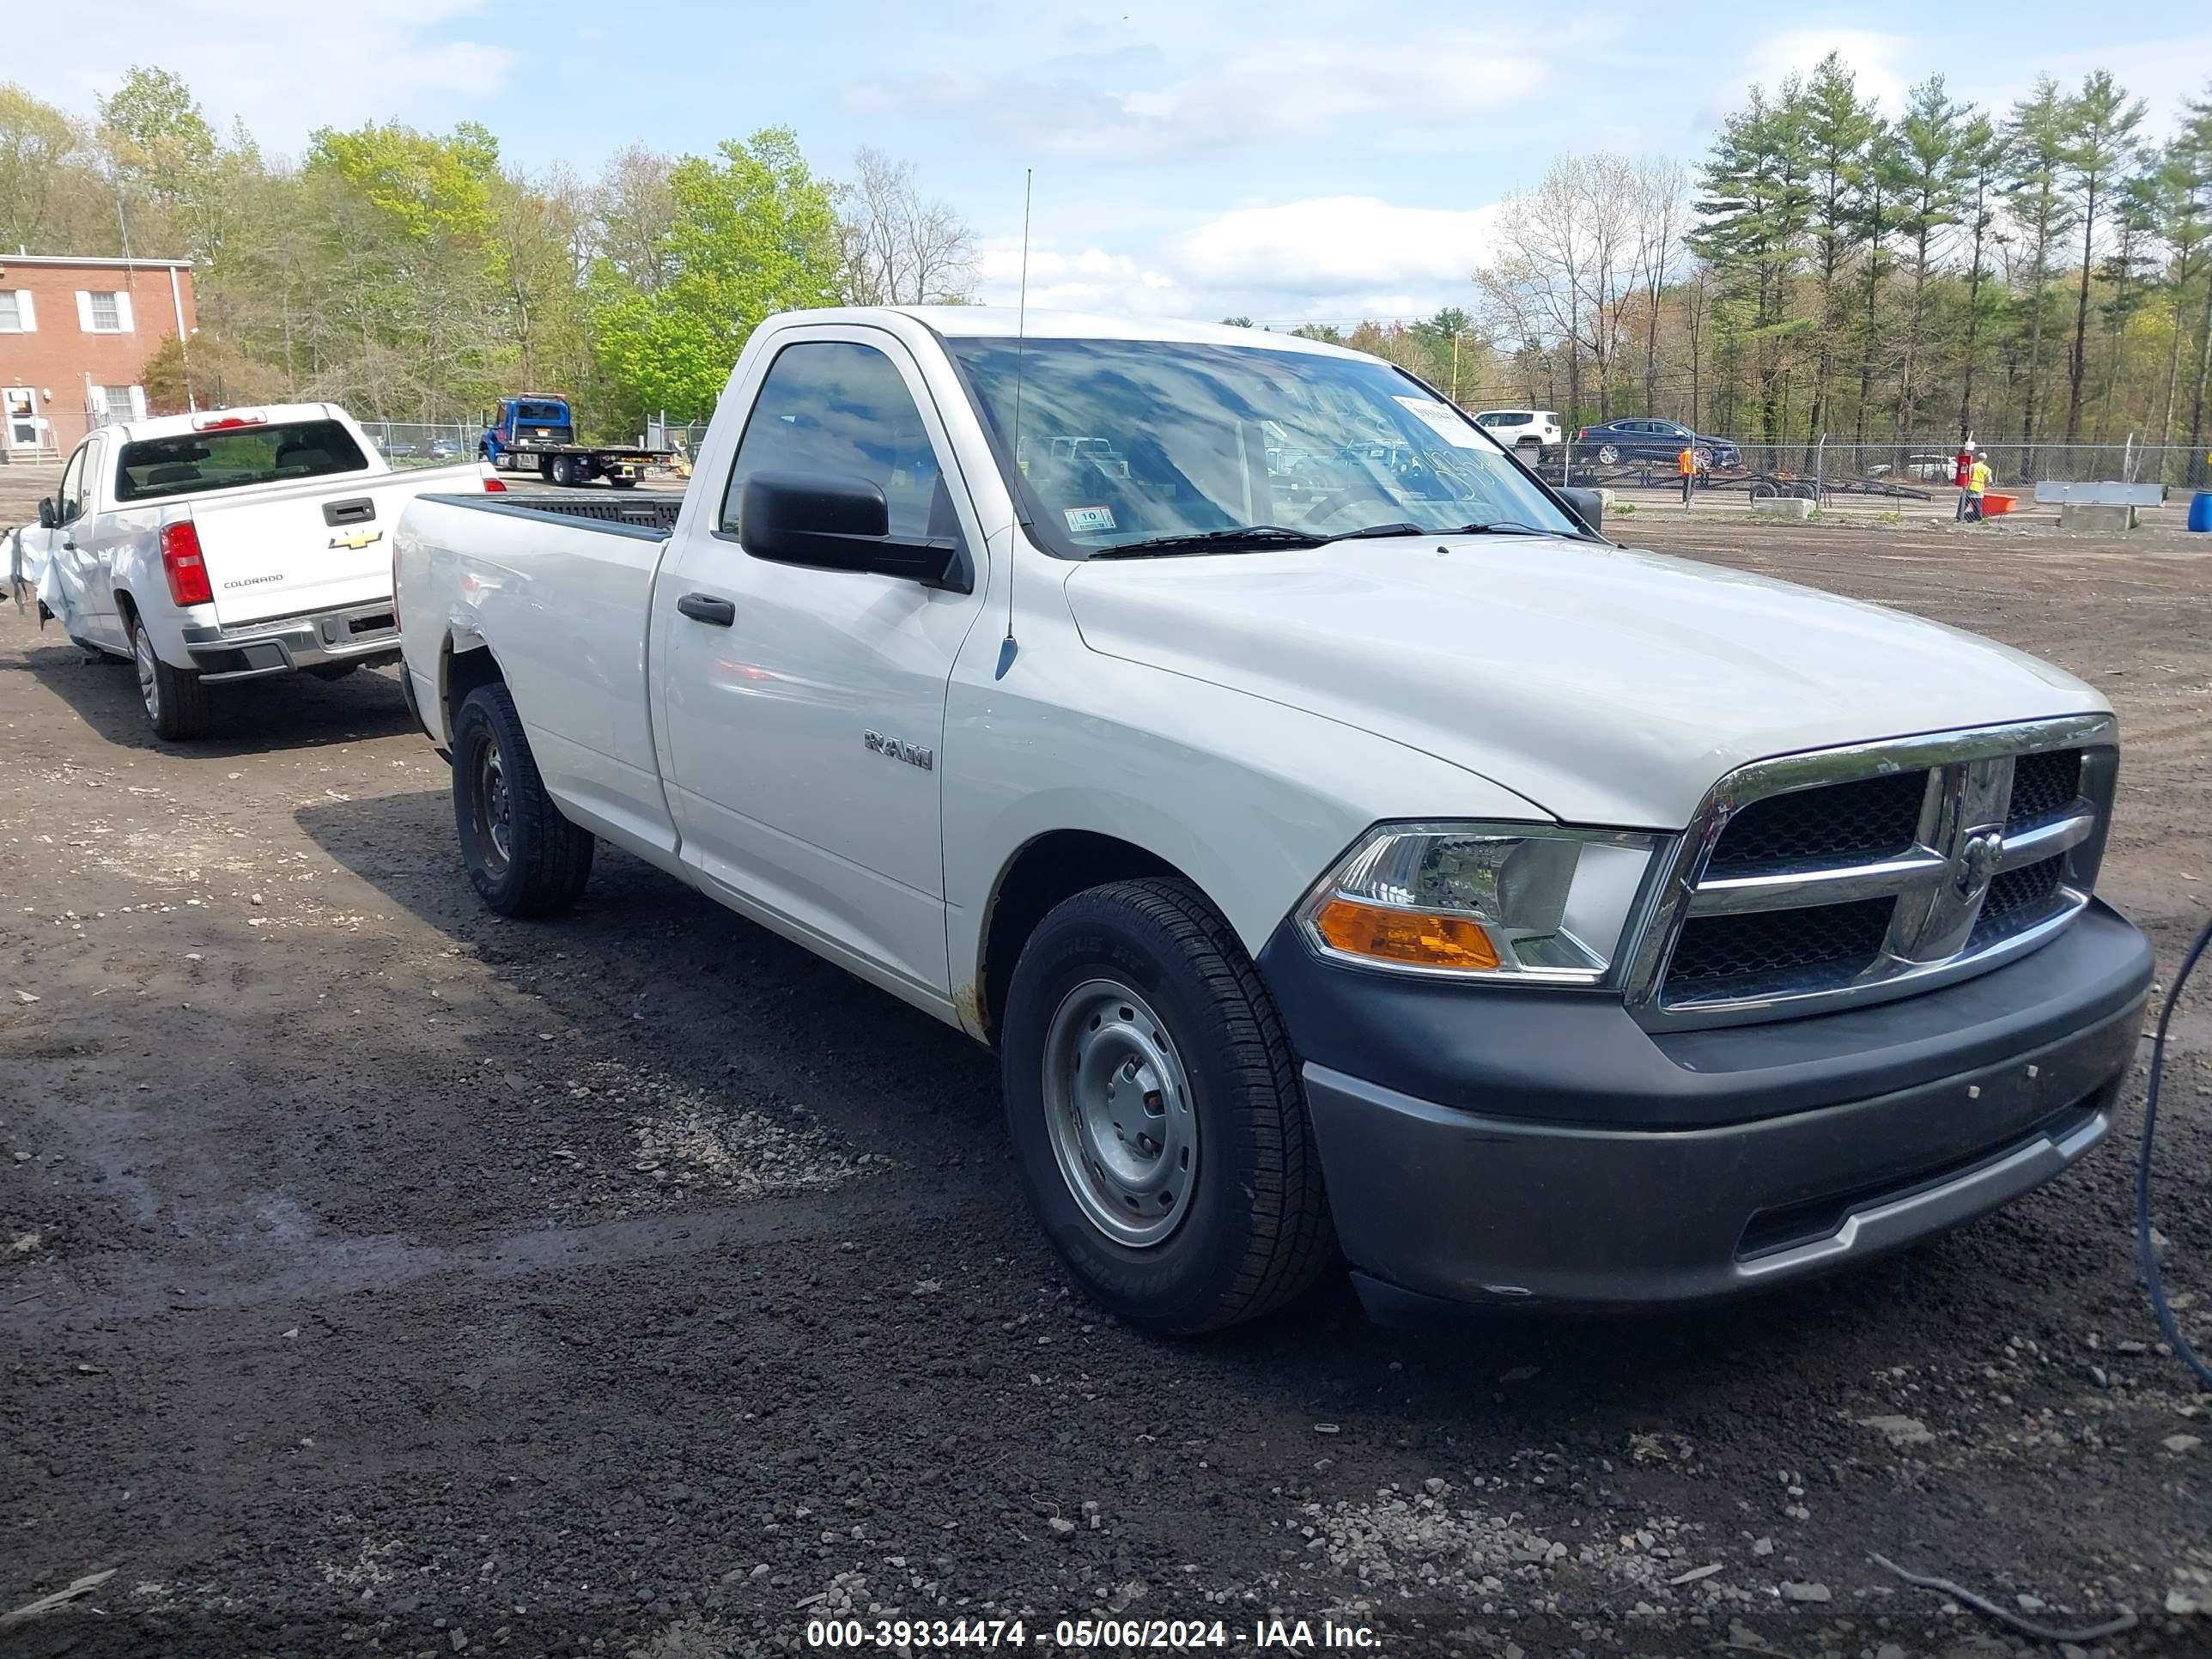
{"x":229,"y":545}
{"x":1347,"y":851}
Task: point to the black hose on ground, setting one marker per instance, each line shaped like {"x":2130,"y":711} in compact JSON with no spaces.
{"x":2146,"y":1251}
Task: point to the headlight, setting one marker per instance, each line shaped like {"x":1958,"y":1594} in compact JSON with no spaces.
{"x":1482,"y":901}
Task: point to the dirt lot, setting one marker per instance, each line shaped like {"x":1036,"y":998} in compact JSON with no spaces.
{"x":377,"y":1276}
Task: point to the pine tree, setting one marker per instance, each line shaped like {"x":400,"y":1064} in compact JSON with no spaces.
{"x":2038,"y":140}
{"x":1933,"y":168}
{"x":2099,"y":145}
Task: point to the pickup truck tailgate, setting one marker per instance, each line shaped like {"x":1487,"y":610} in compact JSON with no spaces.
{"x":291,"y":549}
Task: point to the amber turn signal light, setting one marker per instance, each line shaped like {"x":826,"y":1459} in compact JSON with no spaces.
{"x":1420,"y":938}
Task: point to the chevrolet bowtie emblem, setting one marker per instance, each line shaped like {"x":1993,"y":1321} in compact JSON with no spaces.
{"x":356,"y":539}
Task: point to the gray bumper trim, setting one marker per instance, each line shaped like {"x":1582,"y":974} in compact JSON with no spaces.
{"x":250,"y":651}
{"x":1466,"y":1208}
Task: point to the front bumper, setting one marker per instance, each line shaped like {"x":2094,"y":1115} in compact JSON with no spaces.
{"x":364,"y":634}
{"x":1751,"y":1156}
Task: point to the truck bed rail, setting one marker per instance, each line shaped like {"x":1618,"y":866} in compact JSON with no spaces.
{"x":652,"y":515}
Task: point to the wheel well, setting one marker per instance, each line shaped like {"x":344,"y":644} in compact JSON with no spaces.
{"x":126,"y":608}
{"x":465,"y":671}
{"x":1053,"y":868}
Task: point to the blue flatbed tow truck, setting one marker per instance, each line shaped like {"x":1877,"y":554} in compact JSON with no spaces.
{"x":536,"y":431}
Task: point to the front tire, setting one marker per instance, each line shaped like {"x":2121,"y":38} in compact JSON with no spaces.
{"x":1158,"y":1122}
{"x":524,"y":858}
{"x":175,"y":699}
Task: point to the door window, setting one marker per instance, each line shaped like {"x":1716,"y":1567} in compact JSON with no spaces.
{"x":69,"y":499}
{"x":834,"y":408}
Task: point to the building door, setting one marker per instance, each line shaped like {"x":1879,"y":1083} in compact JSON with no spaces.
{"x":19,"y":406}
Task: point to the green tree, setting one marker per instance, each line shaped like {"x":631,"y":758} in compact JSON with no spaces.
{"x":2100,"y":145}
{"x":2038,"y":139}
{"x":1985,"y":156}
{"x":753,"y":232}
{"x":1934,"y":166}
{"x":1757,"y":206}
{"x":1839,"y":127}
{"x":156,"y":135}
{"x":40,"y":150}
{"x":1876,"y":210}
{"x":2181,"y":206}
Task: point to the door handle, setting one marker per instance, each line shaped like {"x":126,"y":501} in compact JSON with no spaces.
{"x":706,"y":608}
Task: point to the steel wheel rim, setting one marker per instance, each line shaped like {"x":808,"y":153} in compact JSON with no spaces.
{"x":1118,"y":1104}
{"x":495,"y":809}
{"x":149,"y":684}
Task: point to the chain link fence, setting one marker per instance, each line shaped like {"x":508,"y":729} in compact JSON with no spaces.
{"x":1906,"y":471}
{"x":1929,"y":465}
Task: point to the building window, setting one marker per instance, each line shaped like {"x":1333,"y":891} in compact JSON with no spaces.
{"x":15,"y":314}
{"x":103,"y":313}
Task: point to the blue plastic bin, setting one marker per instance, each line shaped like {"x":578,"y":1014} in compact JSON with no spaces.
{"x":2200,"y":510}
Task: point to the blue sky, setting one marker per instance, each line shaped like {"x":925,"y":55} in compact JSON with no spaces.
{"x":1292,"y":162}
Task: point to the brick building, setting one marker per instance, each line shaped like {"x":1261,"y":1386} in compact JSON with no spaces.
{"x":75,"y":336}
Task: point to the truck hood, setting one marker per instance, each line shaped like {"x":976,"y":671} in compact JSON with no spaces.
{"x":1608,"y":686}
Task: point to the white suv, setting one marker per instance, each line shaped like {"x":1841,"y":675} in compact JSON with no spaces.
{"x":1526,"y":432}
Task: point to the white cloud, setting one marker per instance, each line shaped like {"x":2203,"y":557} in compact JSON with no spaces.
{"x":1337,"y":246}
{"x":1327,"y":258}
{"x":1130,"y":105}
{"x":1883,"y":63}
{"x":284,"y":69}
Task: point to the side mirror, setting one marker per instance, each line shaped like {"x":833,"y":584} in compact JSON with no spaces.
{"x":1589,"y":505}
{"x":834,"y":523}
{"x":47,"y":517}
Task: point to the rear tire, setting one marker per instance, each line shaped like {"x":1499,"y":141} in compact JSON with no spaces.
{"x":1608,"y":455}
{"x":1158,"y":1122}
{"x":564,"y":470}
{"x":623,"y":484}
{"x":524,"y":858}
{"x":175,"y":699}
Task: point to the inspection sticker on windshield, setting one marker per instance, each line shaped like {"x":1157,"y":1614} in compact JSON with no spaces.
{"x":1087,"y":520}
{"x":1446,"y":422}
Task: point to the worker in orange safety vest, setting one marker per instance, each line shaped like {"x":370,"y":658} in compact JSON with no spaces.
{"x":1686,"y":465}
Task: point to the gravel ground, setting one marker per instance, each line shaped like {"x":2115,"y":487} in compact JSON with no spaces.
{"x":376,"y":1277}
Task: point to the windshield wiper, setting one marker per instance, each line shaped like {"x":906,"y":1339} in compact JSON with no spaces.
{"x":1215,"y":541}
{"x":1498,"y":528}
{"x":1502,"y":527}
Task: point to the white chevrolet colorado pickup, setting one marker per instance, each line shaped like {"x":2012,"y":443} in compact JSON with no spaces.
{"x":229,"y":545}
{"x":1345,"y":848}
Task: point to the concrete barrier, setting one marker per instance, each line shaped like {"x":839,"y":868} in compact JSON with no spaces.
{"x":1782,"y":506}
{"x":2103,"y":516}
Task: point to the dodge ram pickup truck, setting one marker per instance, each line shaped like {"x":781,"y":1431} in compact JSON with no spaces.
{"x":234,"y":545}
{"x":1349,"y":853}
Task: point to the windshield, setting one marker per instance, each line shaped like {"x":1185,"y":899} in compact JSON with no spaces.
{"x":193,"y":462}
{"x":542,"y":414}
{"x":1126,"y":443}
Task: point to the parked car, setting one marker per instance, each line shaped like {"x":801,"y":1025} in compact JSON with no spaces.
{"x":445,"y":448}
{"x":1927,"y":468}
{"x":235,"y":544}
{"x":1529,"y":433}
{"x":1386,"y":863}
{"x":1653,"y":441}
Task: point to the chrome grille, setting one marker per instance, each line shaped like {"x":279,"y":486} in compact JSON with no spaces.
{"x":1811,"y":938}
{"x":2044,"y":787}
{"x":1874,"y":872}
{"x":1870,"y":818}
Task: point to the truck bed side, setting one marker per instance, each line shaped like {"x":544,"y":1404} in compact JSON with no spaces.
{"x":561,"y":602}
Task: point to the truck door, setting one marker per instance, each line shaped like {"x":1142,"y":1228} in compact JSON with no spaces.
{"x":804,"y":709}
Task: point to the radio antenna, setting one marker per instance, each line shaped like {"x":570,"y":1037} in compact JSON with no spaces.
{"x":1007,"y":648}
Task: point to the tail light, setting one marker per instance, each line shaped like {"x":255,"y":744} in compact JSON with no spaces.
{"x":182,"y":563}
{"x":1582,"y":436}
{"x":494,"y":486}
